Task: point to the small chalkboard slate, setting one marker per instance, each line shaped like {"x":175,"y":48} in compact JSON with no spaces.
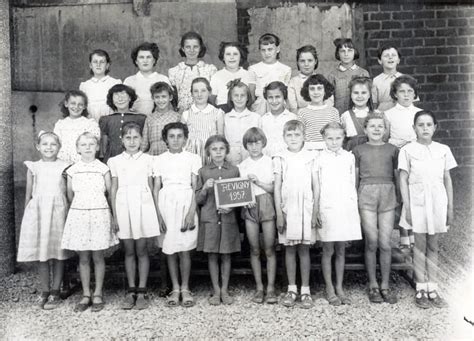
{"x":233,"y":192}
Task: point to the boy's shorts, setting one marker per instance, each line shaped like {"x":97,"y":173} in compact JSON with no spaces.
{"x":264,"y":209}
{"x":377,"y":197}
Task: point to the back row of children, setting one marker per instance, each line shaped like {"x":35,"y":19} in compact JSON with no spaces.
{"x":304,"y":183}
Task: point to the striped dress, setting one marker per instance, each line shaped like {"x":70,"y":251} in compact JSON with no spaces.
{"x":202,"y":124}
{"x":315,"y":118}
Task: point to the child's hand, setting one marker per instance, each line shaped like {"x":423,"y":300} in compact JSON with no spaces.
{"x":450,"y":217}
{"x":316,"y":221}
{"x":253,"y":178}
{"x":162,"y":224}
{"x":408,"y":214}
{"x":223,"y":210}
{"x":189,"y":224}
{"x":251,"y":204}
{"x":209,"y":184}
{"x":281,"y":223}
{"x":115,"y":226}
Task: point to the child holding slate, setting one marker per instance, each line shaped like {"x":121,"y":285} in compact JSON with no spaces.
{"x":218,"y":232}
{"x":258,"y":168}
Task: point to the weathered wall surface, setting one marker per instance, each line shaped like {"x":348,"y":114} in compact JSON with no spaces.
{"x":51,"y":43}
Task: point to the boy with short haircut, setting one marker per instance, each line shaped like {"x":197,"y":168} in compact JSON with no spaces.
{"x":268,"y":70}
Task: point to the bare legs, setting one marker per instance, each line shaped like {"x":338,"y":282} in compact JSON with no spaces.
{"x":305,"y":263}
{"x":58,"y":271}
{"x":136,"y":249}
{"x":222,"y":289}
{"x":85,"y":272}
{"x":183,"y":269}
{"x":425,"y":258}
{"x":328,"y":250}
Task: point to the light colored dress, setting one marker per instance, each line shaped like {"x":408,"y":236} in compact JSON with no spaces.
{"x":426,"y":165}
{"x":89,"y":221}
{"x":45,"y":214}
{"x":401,"y":124}
{"x":272,"y":126}
{"x":338,"y":197}
{"x":182,"y":75}
{"x":201,"y":124}
{"x":68,"y":130}
{"x":221,"y":78}
{"x":174,"y":200}
{"x":141,"y":84}
{"x":297,"y":200}
{"x":134,"y":205}
{"x":96,"y":91}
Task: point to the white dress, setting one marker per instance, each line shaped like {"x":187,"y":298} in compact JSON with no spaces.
{"x":296,"y":195}
{"x":134,"y":205}
{"x":426,"y":165}
{"x":175,"y":198}
{"x":45,"y":214}
{"x":338,"y":197}
{"x":96,"y":91}
{"x":89,"y":221}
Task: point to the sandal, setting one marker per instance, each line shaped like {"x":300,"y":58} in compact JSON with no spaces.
{"x":271,"y":297}
{"x":129,"y":300}
{"x":436,"y":300}
{"x":306,"y":301}
{"x":345,"y":300}
{"x":421,"y":299}
{"x":289,"y":299}
{"x":214,"y":300}
{"x":258,"y":297}
{"x":80,"y":307}
{"x":42,"y":299}
{"x":187,"y":298}
{"x":96,"y":307}
{"x":334,"y":300}
{"x":375,"y":296}
{"x":388,"y":296}
{"x":227,"y":299}
{"x":142,"y":299}
{"x":172,"y":300}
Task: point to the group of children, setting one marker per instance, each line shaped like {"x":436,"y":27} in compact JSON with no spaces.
{"x":322,"y":170}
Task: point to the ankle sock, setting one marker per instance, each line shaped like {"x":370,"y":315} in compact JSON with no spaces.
{"x":405,"y":240}
{"x":293,"y":288}
{"x":421,"y":286}
{"x":411,"y":237}
{"x":305,"y":290}
{"x":430,"y":288}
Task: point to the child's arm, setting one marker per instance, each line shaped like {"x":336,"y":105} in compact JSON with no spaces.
{"x":267,"y":187}
{"x":113,"y":195}
{"x":356,"y":174}
{"x":29,"y":187}
{"x":448,"y":184}
{"x":252,"y":88}
{"x":315,"y":221}
{"x":69,"y":191}
{"x":189,"y":220}
{"x":220,"y":123}
{"x":145,"y":145}
{"x":156,"y":191}
{"x":280,"y":219}
{"x":405,"y":194}
{"x":108,"y":186}
{"x":202,"y":188}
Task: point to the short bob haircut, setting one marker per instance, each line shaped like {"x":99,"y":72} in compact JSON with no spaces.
{"x":252,"y":135}
{"x":87,"y":135}
{"x":191,"y":35}
{"x":315,"y":80}
{"x":242,"y":50}
{"x":129,"y":126}
{"x":375,"y":115}
{"x":307,"y":49}
{"x":238,"y":84}
{"x":427,"y":113}
{"x":216,"y":138}
{"x":294,"y":125}
{"x":119,"y":88}
{"x":174,"y":125}
{"x":403,"y":79}
{"x":345,"y":42}
{"x":201,"y":80}
{"x":388,"y":47}
{"x":268,"y":39}
{"x":332,"y":126}
{"x":146,"y":46}
{"x":277,"y":85}
{"x":163,"y":86}
{"x":67,"y":96}
{"x":361,"y":80}
{"x":48,"y":133}
{"x":101,"y":53}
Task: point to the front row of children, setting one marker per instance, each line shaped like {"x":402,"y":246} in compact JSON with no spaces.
{"x":316,"y":196}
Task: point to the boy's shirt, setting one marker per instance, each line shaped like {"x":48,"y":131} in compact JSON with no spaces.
{"x":263,"y":74}
{"x":381,"y":91}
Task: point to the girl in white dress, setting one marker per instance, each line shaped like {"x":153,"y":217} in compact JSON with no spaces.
{"x":295,"y":191}
{"x":74,"y":123}
{"x":43,"y":221}
{"x":175,"y":173}
{"x":427,"y":193}
{"x":336,"y":206}
{"x":134,"y":211}
{"x":88,"y":228}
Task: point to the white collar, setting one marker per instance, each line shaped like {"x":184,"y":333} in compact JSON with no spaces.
{"x":391,"y":76}
{"x":343,"y":68}
{"x":134,"y":156}
{"x":206,"y":110}
{"x":234,"y":113}
{"x":97,"y":80}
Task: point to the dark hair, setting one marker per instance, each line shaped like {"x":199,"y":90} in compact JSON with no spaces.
{"x":403,"y":79}
{"x":163,"y":86}
{"x":101,"y":53}
{"x":332,"y":125}
{"x":307,"y":49}
{"x":427,"y":113}
{"x":267,"y":39}
{"x":119,"y":88}
{"x":174,"y":125}
{"x":216,"y":138}
{"x":387,"y":47}
{"x":254,"y":134}
{"x":315,"y":80}
{"x":277,"y":85}
{"x":131,"y":126}
{"x":361,"y":80}
{"x":201,"y":80}
{"x":375,"y":115}
{"x":67,"y":96}
{"x":242,"y":50}
{"x":191,"y":35}
{"x":146,"y":46}
{"x":237,"y":83}
{"x":294,"y":125}
{"x":345,"y":42}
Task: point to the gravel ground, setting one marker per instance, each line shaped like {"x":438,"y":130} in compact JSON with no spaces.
{"x":244,"y":320}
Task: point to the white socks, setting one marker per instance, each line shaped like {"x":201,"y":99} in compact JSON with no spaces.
{"x":303,"y":291}
{"x":293,"y":288}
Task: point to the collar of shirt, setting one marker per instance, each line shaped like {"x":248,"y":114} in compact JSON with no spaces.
{"x":313,"y":107}
{"x":401,"y":107}
{"x":206,"y":110}
{"x":236,"y":114}
{"x":142,"y":76}
{"x":213,"y":165}
{"x":391,"y":76}
{"x":183,"y":65}
{"x":102,"y":80}
{"x":361,"y":111}
{"x":134,"y":156}
{"x":344,"y":69}
{"x":336,"y":153}
{"x":283,"y":114}
{"x":305,"y":77}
